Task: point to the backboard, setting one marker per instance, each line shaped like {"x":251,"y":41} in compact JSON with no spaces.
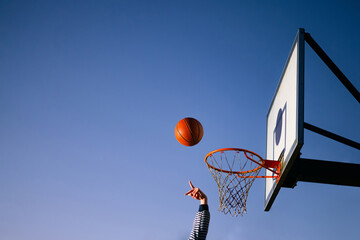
{"x":285,"y":119}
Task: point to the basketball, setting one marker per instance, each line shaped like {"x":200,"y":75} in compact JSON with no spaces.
{"x":189,"y":131}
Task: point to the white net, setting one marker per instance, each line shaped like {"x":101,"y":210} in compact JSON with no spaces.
{"x":234,"y":172}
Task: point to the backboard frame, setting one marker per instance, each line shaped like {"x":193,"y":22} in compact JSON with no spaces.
{"x":291,"y":151}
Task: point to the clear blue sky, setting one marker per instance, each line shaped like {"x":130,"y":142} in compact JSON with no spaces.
{"x":91,"y":91}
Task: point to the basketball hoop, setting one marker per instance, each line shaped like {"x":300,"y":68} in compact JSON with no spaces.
{"x":234,"y":171}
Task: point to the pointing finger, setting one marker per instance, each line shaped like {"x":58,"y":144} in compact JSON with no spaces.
{"x":191,"y":185}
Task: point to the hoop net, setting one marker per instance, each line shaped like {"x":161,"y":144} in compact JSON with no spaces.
{"x":234,"y":171}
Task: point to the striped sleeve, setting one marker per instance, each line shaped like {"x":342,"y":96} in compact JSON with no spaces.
{"x":201,"y":224}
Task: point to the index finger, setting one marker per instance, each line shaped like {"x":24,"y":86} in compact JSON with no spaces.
{"x":191,"y":185}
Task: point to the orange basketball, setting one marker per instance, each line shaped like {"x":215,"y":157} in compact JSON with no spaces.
{"x":189,"y":131}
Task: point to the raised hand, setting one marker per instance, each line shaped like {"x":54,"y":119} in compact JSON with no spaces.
{"x":197,"y":194}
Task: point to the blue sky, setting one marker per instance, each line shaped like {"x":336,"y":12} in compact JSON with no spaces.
{"x":91,"y":91}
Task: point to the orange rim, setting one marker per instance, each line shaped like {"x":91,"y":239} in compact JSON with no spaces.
{"x":239,"y":150}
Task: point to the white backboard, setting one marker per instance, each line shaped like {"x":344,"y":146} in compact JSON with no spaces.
{"x":284,"y":130}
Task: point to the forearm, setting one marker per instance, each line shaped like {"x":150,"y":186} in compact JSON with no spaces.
{"x":201,"y":223}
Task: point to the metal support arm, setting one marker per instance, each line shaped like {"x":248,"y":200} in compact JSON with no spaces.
{"x":331,"y":65}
